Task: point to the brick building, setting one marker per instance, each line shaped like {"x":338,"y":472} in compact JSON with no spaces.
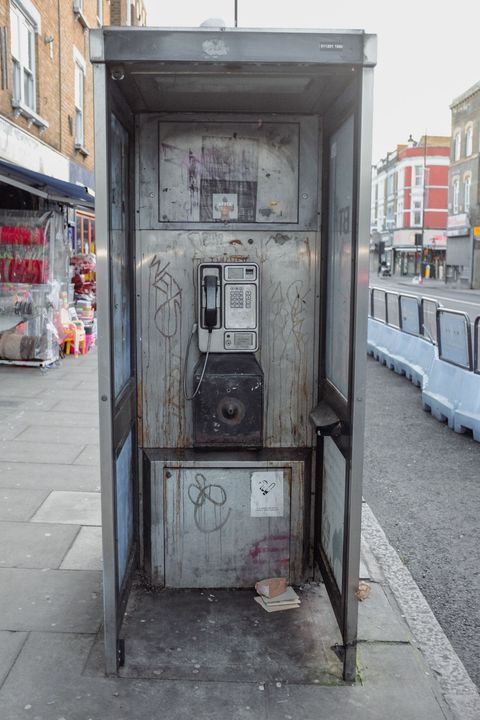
{"x":409,"y":208}
{"x":463,"y":244}
{"x":46,"y":93}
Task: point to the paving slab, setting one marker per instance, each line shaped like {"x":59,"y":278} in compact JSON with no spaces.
{"x":76,"y":404}
{"x":86,"y":551}
{"x":395,"y":686}
{"x":18,"y":505}
{"x":80,"y":371}
{"x":71,"y":398}
{"x":88,"y":384}
{"x":9,"y":405}
{"x":35,"y":545}
{"x":79,"y":420}
{"x":49,"y":477}
{"x":10,"y":645}
{"x":73,"y":508}
{"x":18,"y":390}
{"x":37,"y":403}
{"x":46,"y":683}
{"x":11,"y":428}
{"x":50,"y":600}
{"x":39,"y":452}
{"x":90,"y":455}
{"x":59,"y":434}
{"x":369,"y":567}
{"x":378,"y":621}
{"x":58,"y":379}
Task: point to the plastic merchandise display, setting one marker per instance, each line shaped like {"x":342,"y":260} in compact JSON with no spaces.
{"x":34,"y":260}
{"x":84,"y":269}
{"x":83,"y":275}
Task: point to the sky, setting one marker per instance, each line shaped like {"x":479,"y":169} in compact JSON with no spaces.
{"x":427,"y":55}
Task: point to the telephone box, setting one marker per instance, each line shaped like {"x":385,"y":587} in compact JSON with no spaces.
{"x":232,"y":206}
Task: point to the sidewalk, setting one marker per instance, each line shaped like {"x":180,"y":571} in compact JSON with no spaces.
{"x":51,"y":606}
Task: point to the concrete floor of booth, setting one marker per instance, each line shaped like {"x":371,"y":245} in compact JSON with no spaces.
{"x":223,"y":636}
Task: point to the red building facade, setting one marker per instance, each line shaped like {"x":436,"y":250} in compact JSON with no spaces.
{"x":410,"y":207}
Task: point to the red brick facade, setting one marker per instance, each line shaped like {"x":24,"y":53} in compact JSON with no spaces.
{"x":436,"y":184}
{"x":61,"y":40}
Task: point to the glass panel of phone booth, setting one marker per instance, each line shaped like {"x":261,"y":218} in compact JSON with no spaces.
{"x":120,"y":266}
{"x":117,"y":389}
{"x":124,"y":514}
{"x":337,"y":352}
{"x":338,"y":504}
{"x":121,"y":309}
{"x":339,"y":280}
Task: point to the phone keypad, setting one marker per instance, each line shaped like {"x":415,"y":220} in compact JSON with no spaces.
{"x":237,"y":298}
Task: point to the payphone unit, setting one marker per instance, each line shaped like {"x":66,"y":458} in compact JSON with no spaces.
{"x":228,"y":381}
{"x":228,"y":307}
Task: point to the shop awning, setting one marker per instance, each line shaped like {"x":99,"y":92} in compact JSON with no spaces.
{"x":45,"y":186}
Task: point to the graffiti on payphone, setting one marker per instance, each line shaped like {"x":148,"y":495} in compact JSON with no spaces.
{"x":168,"y":298}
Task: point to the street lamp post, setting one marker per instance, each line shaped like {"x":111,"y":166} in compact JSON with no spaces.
{"x":424,"y":194}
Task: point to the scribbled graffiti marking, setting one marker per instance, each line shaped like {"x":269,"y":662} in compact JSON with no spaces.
{"x":297,"y":300}
{"x":200,"y":494}
{"x":169,"y":298}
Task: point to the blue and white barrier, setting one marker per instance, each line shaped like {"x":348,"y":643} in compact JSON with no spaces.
{"x":432,"y":347}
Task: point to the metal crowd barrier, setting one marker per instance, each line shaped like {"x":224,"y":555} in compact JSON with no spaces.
{"x":432,"y":346}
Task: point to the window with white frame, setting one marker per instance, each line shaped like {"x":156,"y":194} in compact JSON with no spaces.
{"x":79,"y":100}
{"x":457,"y":142}
{"x":390,"y":184}
{"x":401,"y":178}
{"x":468,"y":140}
{"x":400,"y":212}
{"x":418,"y":175}
{"x":455,"y":195}
{"x":416,"y":213}
{"x":390,"y":216}
{"x":23,"y":58}
{"x":467,"y":181}
{"x":100,"y":12}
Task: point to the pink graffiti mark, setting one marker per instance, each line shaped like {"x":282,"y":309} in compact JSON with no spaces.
{"x":263,"y":547}
{"x":255,"y":551}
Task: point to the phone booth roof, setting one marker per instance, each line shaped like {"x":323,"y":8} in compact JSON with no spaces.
{"x":232,"y":70}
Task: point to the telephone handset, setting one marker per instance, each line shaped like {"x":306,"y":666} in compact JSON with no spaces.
{"x":211,"y":313}
{"x":228,"y":307}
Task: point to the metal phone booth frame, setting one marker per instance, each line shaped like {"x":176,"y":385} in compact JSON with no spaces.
{"x":232,"y":145}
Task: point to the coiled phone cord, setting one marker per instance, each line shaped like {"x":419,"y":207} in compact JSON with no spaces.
{"x":187,"y":353}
